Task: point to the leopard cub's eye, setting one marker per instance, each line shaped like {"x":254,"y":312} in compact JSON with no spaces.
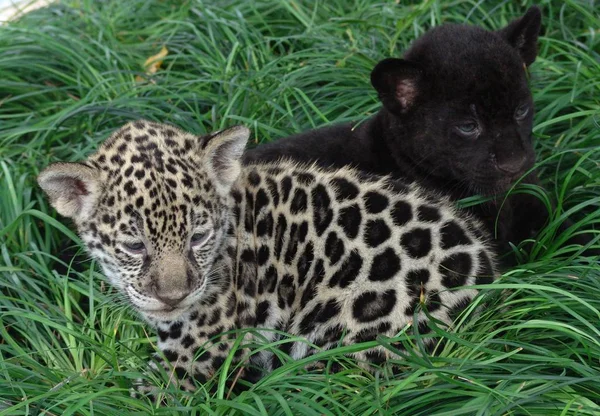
{"x":521,"y":111}
{"x":199,"y":238}
{"x":134,"y":247}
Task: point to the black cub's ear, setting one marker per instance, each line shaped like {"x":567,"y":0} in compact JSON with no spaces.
{"x":398,"y":83}
{"x":523,"y":33}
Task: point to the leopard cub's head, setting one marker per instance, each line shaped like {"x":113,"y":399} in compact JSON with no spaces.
{"x":152,"y":206}
{"x":458,"y":104}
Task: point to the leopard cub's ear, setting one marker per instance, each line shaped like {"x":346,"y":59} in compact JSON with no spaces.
{"x":398,"y":83}
{"x":222,"y":153}
{"x":72,"y":188}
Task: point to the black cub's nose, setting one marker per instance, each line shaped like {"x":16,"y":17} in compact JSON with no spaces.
{"x":512,"y":165}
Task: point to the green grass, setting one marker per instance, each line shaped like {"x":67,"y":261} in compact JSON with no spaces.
{"x":68,"y":73}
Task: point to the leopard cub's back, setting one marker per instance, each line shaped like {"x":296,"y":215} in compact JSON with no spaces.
{"x":335,"y":252}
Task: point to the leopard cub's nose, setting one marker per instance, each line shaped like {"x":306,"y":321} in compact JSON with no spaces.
{"x":171,"y":297}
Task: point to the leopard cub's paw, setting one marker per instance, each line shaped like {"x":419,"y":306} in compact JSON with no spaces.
{"x":142,"y":388}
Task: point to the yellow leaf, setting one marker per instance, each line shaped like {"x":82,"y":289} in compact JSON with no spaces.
{"x":154,"y":62}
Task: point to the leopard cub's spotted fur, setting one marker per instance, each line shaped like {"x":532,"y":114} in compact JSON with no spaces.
{"x":201,"y":246}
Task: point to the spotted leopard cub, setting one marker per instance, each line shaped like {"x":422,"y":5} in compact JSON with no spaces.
{"x":201,"y":245}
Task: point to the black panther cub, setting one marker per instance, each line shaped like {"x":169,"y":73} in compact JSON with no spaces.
{"x":457,"y":118}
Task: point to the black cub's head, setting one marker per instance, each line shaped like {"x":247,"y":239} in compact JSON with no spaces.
{"x":459,"y":104}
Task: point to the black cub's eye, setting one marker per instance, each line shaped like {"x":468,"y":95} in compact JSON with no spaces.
{"x":135,"y":247}
{"x":467,"y":128}
{"x":199,"y":238}
{"x":521,"y":111}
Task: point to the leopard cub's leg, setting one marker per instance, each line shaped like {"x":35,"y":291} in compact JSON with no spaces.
{"x":190,"y":354}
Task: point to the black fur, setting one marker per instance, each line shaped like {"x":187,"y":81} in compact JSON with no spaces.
{"x":457,"y":117}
